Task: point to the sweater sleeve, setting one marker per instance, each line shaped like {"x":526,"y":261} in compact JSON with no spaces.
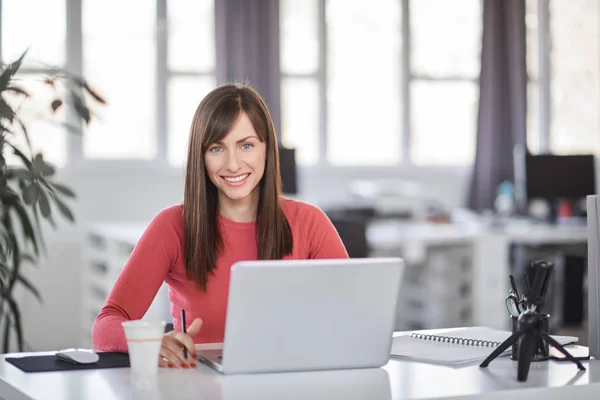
{"x":323,"y":240}
{"x":143,"y":274}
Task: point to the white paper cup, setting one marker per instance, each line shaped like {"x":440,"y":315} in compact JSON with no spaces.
{"x":143,"y":341}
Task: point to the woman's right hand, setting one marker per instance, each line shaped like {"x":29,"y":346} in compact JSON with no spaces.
{"x":171,"y":350}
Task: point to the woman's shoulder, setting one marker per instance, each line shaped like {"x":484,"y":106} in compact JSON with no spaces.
{"x":300,"y":210}
{"x":169,"y":217}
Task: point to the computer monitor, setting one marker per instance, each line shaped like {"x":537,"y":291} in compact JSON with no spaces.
{"x":593,"y":251}
{"x":553,"y":177}
{"x":287,"y":167}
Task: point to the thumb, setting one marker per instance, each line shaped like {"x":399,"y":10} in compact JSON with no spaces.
{"x":194,"y":328}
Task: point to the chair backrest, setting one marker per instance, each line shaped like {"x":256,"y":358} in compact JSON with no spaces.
{"x":593,"y":249}
{"x":353,"y":233}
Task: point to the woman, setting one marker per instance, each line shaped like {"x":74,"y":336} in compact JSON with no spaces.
{"x":232,"y":211}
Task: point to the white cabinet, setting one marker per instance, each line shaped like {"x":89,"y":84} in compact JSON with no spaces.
{"x":105,"y":249}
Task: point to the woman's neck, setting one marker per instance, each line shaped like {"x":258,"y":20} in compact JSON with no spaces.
{"x":242,"y":210}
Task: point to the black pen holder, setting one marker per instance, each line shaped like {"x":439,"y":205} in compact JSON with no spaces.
{"x":542,"y":349}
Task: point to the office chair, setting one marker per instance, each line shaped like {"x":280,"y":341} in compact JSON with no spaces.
{"x":353,"y":233}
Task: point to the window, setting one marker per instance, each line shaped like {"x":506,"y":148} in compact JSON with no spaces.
{"x":190,"y":73}
{"x":564,"y":88}
{"x":43,"y":35}
{"x":120,"y":62}
{"x":378,"y":71}
{"x":152,"y":60}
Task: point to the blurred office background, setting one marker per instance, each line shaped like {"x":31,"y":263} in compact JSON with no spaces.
{"x":403,"y":116}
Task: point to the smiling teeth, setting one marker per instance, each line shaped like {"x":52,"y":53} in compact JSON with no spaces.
{"x":237,"y":179}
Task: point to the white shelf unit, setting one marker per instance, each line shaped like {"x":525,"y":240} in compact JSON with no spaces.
{"x":437,"y":290}
{"x":105,"y":249}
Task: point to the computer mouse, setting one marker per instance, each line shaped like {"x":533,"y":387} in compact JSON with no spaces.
{"x":78,"y":356}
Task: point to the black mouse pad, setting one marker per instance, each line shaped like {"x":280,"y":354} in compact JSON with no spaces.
{"x":51,"y":363}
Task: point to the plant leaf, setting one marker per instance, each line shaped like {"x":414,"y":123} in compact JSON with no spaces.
{"x":29,"y":285}
{"x":22,"y":156}
{"x":6,"y":345}
{"x":10,"y":70}
{"x":31,"y":193}
{"x":5,"y":129}
{"x":18,"y":90}
{"x":29,"y":258}
{"x":56,"y":104}
{"x":63,"y":189}
{"x":44,"y":203}
{"x":64,"y":209}
{"x":6,"y":111}
{"x":16,"y":313}
{"x":41,"y":167}
{"x":80,"y":107}
{"x":94,"y":94}
{"x":25,"y":133}
{"x":28,"y":229}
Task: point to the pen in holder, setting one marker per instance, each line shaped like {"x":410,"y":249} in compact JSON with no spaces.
{"x":541,"y":348}
{"x":530,"y":339}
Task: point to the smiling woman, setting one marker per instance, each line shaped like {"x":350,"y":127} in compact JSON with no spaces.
{"x":233,"y":210}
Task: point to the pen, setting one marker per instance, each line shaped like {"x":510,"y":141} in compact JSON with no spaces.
{"x":184,"y":331}
{"x":514,"y":286}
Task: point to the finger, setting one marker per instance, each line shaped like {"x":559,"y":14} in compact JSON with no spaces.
{"x":174,"y":345}
{"x":194,"y":328}
{"x":163,"y":362}
{"x":185,"y":340}
{"x":173,"y":361}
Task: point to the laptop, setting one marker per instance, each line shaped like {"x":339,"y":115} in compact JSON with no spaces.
{"x":306,"y":315}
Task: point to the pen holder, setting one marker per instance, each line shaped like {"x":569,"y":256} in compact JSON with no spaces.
{"x":542,"y":349}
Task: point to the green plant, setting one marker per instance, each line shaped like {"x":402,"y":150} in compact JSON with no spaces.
{"x":28,"y":191}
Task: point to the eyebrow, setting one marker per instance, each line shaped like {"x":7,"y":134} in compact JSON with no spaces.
{"x":241,"y":140}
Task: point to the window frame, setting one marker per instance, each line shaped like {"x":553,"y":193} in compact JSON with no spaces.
{"x":543,"y":80}
{"x":74,"y":63}
{"x":407,"y":78}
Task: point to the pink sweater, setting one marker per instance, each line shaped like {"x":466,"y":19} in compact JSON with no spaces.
{"x":158,"y":258}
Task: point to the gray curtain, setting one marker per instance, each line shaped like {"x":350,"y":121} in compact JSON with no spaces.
{"x":503,"y":99}
{"x":247,"y":37}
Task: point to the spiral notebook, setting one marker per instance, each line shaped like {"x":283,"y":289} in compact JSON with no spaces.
{"x":456,"y":346}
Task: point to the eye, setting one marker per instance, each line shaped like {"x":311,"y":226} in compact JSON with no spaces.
{"x":247,"y":146}
{"x":216,"y":149}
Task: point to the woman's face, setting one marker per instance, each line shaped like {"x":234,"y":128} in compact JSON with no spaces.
{"x":236,"y":164}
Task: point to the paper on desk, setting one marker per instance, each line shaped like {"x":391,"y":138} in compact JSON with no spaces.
{"x":455,"y":354}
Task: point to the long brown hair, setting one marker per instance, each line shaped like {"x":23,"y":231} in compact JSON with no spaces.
{"x":203,"y":243}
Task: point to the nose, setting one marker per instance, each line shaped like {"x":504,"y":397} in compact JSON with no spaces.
{"x":232,"y":162}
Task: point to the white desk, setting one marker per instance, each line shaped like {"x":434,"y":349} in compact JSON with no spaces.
{"x":491,"y":253}
{"x":399,"y":379}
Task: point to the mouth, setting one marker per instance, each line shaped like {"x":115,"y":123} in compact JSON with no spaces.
{"x":237,"y":180}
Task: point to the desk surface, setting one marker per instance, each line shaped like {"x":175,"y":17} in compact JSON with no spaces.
{"x":399,"y":379}
{"x":390,"y":234}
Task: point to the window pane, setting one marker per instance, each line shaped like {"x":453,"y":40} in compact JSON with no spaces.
{"x":363,"y":93}
{"x":299,"y":36}
{"x":300,"y":118}
{"x":445,"y":37}
{"x":121,"y":62}
{"x":43,"y":126}
{"x":39,"y":25}
{"x":532,"y":32}
{"x":191,"y":35}
{"x":185,"y":94}
{"x":575,"y":82}
{"x":444,"y":118}
{"x":533,"y":118}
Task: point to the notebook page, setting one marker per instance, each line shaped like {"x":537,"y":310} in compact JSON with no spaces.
{"x":455,"y":353}
{"x":494,"y":335}
{"x":437,"y":352}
